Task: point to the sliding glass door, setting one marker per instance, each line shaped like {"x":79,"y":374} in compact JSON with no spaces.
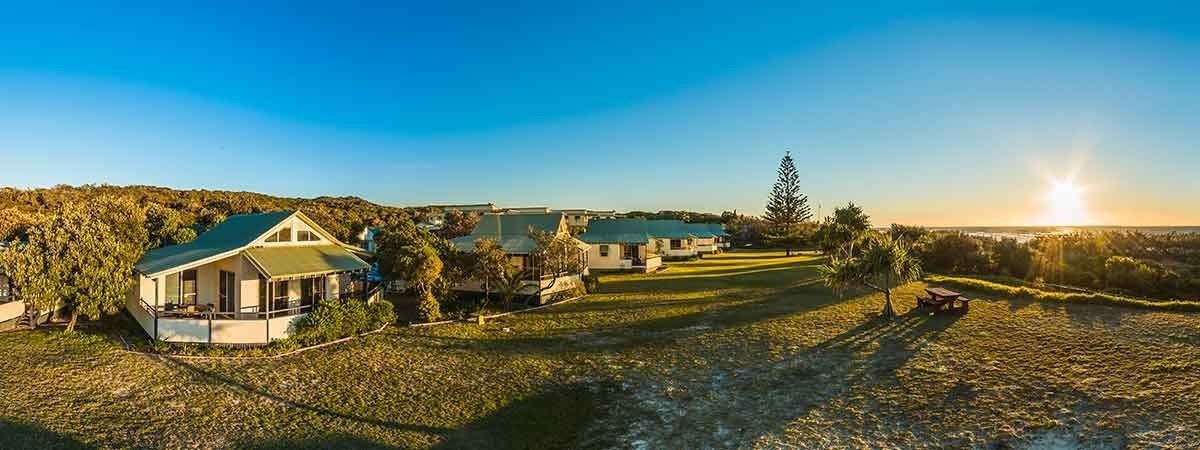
{"x":227,"y":292}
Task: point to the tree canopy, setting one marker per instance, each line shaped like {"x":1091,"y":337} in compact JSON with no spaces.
{"x":840,"y":232}
{"x":80,"y":257}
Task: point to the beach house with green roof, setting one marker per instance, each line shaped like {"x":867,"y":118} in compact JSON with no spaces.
{"x":245,"y":281}
{"x":620,"y":244}
{"x":513,"y":233}
{"x":722,"y":236}
{"x":672,"y":239}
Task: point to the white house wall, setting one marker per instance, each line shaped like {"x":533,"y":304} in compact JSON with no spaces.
{"x":297,"y":225}
{"x":686,"y":251}
{"x":615,"y":258}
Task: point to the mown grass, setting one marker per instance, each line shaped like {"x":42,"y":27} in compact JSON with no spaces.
{"x":740,"y":350}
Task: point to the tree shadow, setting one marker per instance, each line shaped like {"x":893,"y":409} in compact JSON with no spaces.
{"x":782,"y":391}
{"x":560,"y":417}
{"x":219,"y":379}
{"x":656,"y":331}
{"x":329,"y":441}
{"x":15,"y":433}
{"x":753,"y":255}
{"x":719,"y":268}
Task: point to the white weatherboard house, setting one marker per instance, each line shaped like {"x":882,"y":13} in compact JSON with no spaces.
{"x":620,"y":244}
{"x":512,"y":232}
{"x":673,"y":238}
{"x":706,"y":240}
{"x":722,"y":236}
{"x":579,"y":218}
{"x":245,"y":281}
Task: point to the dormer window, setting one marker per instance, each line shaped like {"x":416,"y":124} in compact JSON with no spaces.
{"x":306,"y":236}
{"x":283,"y":235}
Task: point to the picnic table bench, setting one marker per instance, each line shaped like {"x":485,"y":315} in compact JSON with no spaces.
{"x":942,"y":298}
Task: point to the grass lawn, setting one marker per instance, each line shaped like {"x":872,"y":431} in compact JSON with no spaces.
{"x":738,"y":350}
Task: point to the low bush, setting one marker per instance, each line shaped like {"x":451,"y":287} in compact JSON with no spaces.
{"x":336,"y":319}
{"x":380,"y":313}
{"x":1065,"y":297}
{"x":591,"y":284}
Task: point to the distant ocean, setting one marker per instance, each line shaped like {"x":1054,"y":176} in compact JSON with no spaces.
{"x":1025,"y":234}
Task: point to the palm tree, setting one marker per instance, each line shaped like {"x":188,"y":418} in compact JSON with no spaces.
{"x":883,"y":264}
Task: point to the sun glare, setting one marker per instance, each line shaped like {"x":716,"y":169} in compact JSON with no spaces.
{"x":1064,"y":204}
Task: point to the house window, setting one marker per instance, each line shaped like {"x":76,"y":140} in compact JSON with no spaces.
{"x":181,"y":288}
{"x":283,"y":235}
{"x":307,"y":236}
{"x":676,"y":244}
{"x":312,"y":290}
{"x":279,"y":295}
{"x":188,"y":287}
{"x":630,"y":251}
{"x":603,"y":251}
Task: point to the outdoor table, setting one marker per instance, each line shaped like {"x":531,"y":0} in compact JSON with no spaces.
{"x":941,"y":296}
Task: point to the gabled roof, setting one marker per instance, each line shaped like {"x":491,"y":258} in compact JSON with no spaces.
{"x":616,"y":231}
{"x":511,"y":231}
{"x":232,"y":234}
{"x":517,"y":224}
{"x":669,"y":229}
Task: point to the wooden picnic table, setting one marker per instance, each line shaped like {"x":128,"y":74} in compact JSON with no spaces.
{"x":939,"y":297}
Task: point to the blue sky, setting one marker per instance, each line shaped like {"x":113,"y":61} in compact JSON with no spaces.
{"x":921,"y":112}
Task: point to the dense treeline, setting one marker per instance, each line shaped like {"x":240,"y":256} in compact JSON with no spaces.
{"x":686,"y":216}
{"x":1125,"y":262}
{"x":176,"y":216}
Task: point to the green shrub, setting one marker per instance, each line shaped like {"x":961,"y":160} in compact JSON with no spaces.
{"x":1066,"y":297}
{"x":428,"y":308}
{"x":591,"y":284}
{"x":331,"y":320}
{"x":380,"y":313}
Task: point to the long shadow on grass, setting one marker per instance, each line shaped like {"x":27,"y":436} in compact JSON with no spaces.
{"x":662,"y":331}
{"x":237,"y":385}
{"x":703,"y":269}
{"x":15,"y":433}
{"x":752,"y":255}
{"x":753,"y":279}
{"x":751,"y":401}
{"x":560,"y":417}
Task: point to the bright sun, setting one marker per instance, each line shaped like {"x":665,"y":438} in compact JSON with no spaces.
{"x":1064,"y":204}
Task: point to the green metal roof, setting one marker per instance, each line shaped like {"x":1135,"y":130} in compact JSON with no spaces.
{"x":669,"y":229}
{"x":616,"y":231}
{"x":519,"y":224}
{"x":717,"y":229}
{"x":234,"y":233}
{"x":511,"y":244}
{"x":700,"y":230}
{"x":304,"y":260}
{"x":511,"y":231}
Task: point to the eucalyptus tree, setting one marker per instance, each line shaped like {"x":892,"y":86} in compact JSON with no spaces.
{"x":80,"y":258}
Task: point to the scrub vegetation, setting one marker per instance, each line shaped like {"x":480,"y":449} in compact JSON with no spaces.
{"x":744,"y":349}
